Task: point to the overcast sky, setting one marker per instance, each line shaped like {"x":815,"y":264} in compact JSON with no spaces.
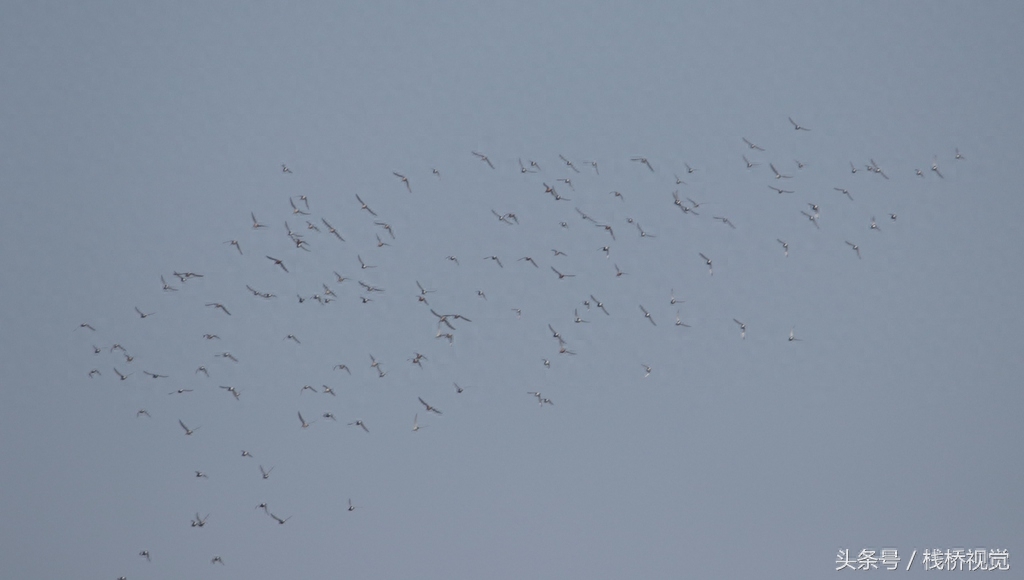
{"x":138,"y":139}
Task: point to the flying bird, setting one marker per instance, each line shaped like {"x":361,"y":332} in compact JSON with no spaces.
{"x":187,"y":431}
{"x":278,"y":263}
{"x":429,"y":408}
{"x":364,"y":206}
{"x":484,"y":159}
{"x":796,"y":126}
{"x":404,"y":179}
{"x":751,"y":145}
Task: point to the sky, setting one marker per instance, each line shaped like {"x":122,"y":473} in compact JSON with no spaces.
{"x":139,"y":139}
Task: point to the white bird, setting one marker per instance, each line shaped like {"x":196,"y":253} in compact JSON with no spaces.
{"x":187,"y":430}
{"x":855,"y":247}
{"x":785,"y":246}
{"x":792,"y":337}
{"x":796,"y":126}
{"x":707,"y":261}
{"x":266,"y":472}
{"x":743,"y":328}
{"x":647,"y":315}
{"x":362,"y":205}
{"x":484,"y":158}
{"x":647,"y":370}
{"x":751,"y":145}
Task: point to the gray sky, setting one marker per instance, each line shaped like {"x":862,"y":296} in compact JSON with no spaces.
{"x":138,"y":139}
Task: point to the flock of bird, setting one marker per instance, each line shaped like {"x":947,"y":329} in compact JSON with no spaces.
{"x":317,"y":231}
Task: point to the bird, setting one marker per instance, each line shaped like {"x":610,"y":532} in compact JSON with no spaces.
{"x":404,"y":179}
{"x":874,"y":226}
{"x":743,"y":328}
{"x":359,"y":423}
{"x":187,"y":430}
{"x":751,"y":145}
{"x":95,"y":372}
{"x":853,"y":168}
{"x":235,"y":392}
{"x":679,"y":321}
{"x":792,"y":337}
{"x":647,"y":370}
{"x":142,"y":412}
{"x":958,"y":155}
{"x":452,"y":259}
{"x":567,"y":163}
{"x":342,"y":367}
{"x":200,"y":522}
{"x":217,"y":559}
{"x":577,"y":318}
{"x":644,"y":234}
{"x":707,"y":260}
{"x":278,"y":263}
{"x":154,"y":375}
{"x":528,"y":259}
{"x":362,"y":205}
{"x":647,"y":315}
{"x":266,"y":472}
{"x":328,"y":390}
{"x":855,"y":247}
{"x":618,"y":272}
{"x":785,"y":246}
{"x":143,"y":315}
{"x":935,"y":167}
{"x":812,"y":217}
{"x":255,"y":223}
{"x":779,"y":190}
{"x":561,"y":275}
{"x":330,"y":416}
{"x":220,"y":306}
{"x":363,"y":265}
{"x":202,"y":475}
{"x":351,"y":507}
{"x":644,"y":161}
{"x":284,"y":169}
{"x":799,"y":164}
{"x":777,"y":174}
{"x":295,"y":209}
{"x":415,"y":422}
{"x":387,"y":227}
{"x":169,"y":288}
{"x":227,"y":355}
{"x":279,"y":520}
{"x":484,"y":158}
{"x":796,"y":126}
{"x":844,"y":192}
{"x":145,"y":554}
{"x":86,"y":325}
{"x":725,"y":221}
{"x":331,"y":229}
{"x":555,"y":335}
{"x":599,"y":304}
{"x":122,"y":376}
{"x":892,"y":216}
{"x":180,"y":391}
{"x":246,"y":453}
{"x":523,"y":169}
{"x":496,"y":259}
{"x":429,"y":408}
{"x":750,"y":164}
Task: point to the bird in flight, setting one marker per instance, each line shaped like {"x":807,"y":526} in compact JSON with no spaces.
{"x":561,"y":275}
{"x":200,"y":522}
{"x":279,"y":520}
{"x":227,"y":355}
{"x":295,"y":209}
{"x":599,"y":304}
{"x":429,"y":408}
{"x":332,"y":230}
{"x":752,"y":146}
{"x":363,"y":265}
{"x":220,"y":306}
{"x":351,"y":507}
{"x":180,"y":392}
{"x":404,"y":179}
{"x":785,"y":246}
{"x":415,"y":422}
{"x":750,"y":164}
{"x":560,"y":156}
{"x":362,"y":205}
{"x":845,"y":192}
{"x":812,"y":217}
{"x":743,"y":328}
{"x":495,"y":258}
{"x":284,"y":169}
{"x":874,"y":226}
{"x":121,"y":376}
{"x":647,"y":315}
{"x":154,"y":375}
{"x":255,"y":223}
{"x":855,"y":247}
{"x":777,"y":174}
{"x":618,"y":272}
{"x":792,"y":337}
{"x":797,"y":126}
{"x":707,"y":261}
{"x":143,"y":315}
{"x":169,"y":288}
{"x":935,"y":167}
{"x":577,"y":319}
{"x":644,"y":161}
{"x":303,"y":421}
{"x":958,"y":156}
{"x":187,"y":430}
{"x":278,"y":263}
{"x":725,"y":221}
{"x":359,"y":423}
{"x":266,"y":472}
{"x":647,"y":370}
{"x":779,"y":190}
{"x":483,"y":158}
{"x":679,"y":321}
